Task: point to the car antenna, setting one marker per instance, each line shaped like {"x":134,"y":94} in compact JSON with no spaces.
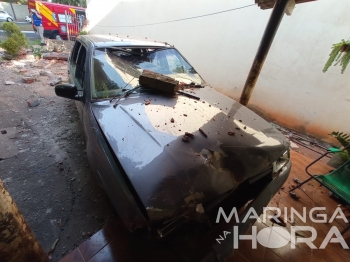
{"x":122,"y":89}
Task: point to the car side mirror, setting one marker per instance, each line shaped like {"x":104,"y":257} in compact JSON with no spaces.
{"x":68,"y":91}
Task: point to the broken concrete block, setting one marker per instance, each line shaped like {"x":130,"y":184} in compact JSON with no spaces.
{"x":28,"y":79}
{"x":56,"y":81}
{"x":33,"y":103}
{"x":56,"y":56}
{"x":9,"y":83}
{"x":158,"y":81}
{"x":45,"y":73}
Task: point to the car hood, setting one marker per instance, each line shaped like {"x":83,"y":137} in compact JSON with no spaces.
{"x":146,"y":131}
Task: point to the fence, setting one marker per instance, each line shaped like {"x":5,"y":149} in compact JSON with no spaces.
{"x":74,"y":24}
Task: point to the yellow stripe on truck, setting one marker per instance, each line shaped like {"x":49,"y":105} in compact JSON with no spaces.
{"x":46,"y":12}
{"x":72,"y":10}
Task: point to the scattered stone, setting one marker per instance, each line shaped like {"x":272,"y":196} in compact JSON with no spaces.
{"x":3,"y":132}
{"x":293,"y":195}
{"x":185,"y":139}
{"x":231,"y":133}
{"x":56,"y":81}
{"x":203,"y":133}
{"x":9,"y":83}
{"x":172,"y":120}
{"x":45,"y":73}
{"x":23,"y":71}
{"x":56,"y":56}
{"x":28,"y":79}
{"x":33,"y":103}
{"x":189,"y":135}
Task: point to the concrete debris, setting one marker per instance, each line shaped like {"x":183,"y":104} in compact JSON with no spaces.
{"x":189,"y":134}
{"x":56,"y":56}
{"x":28,"y":79}
{"x":9,"y":83}
{"x":3,"y":132}
{"x":45,"y":73}
{"x":158,"y":81}
{"x":203,"y":133}
{"x":56,"y":81}
{"x":33,"y":103}
{"x":185,"y":139}
{"x":293,"y":195}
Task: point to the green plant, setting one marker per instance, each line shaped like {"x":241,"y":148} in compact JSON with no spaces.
{"x":15,"y":40}
{"x":37,"y":51}
{"x":344,"y":140}
{"x":83,"y":33}
{"x":340,"y":54}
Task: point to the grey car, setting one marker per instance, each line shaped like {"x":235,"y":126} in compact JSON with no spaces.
{"x":4,"y":16}
{"x":170,"y":161}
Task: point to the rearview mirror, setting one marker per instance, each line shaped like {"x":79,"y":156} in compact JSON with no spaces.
{"x":68,"y":91}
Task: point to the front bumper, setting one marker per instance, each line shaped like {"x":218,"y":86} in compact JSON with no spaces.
{"x":221,"y":252}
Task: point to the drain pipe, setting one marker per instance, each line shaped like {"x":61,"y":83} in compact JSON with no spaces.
{"x":265,"y":44}
{"x":17,"y":240}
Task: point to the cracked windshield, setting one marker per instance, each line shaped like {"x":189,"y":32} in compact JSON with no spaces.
{"x":116,"y":69}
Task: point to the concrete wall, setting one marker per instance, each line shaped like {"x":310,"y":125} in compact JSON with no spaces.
{"x":292,"y":89}
{"x":21,"y":11}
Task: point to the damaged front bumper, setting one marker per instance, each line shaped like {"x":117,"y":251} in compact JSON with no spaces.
{"x":221,"y":252}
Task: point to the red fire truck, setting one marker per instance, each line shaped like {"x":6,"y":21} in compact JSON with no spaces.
{"x":59,"y":21}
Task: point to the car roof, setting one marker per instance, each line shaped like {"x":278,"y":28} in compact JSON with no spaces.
{"x":109,"y":40}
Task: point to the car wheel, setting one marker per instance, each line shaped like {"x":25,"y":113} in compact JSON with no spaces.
{"x":58,"y":37}
{"x":9,"y":19}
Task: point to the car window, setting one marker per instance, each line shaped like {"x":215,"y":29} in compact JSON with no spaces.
{"x":80,"y":68}
{"x":62,"y":18}
{"x":118,"y":68}
{"x":75,"y":51}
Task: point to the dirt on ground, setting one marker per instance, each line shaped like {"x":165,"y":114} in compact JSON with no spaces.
{"x":43,"y":160}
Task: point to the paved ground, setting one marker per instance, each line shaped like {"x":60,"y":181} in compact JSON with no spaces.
{"x":31,"y":35}
{"x":43,"y":160}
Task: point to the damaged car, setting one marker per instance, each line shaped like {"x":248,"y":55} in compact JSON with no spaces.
{"x":169,"y":150}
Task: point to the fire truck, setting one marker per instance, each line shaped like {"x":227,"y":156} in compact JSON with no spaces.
{"x":59,"y":21}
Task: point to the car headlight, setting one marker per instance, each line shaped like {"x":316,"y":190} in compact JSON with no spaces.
{"x":63,"y":29}
{"x":280,"y":163}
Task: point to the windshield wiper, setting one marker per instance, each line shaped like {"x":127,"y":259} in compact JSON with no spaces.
{"x":126,"y":94}
{"x":122,"y":90}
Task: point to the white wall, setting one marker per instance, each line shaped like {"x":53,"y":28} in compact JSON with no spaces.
{"x":292,"y":89}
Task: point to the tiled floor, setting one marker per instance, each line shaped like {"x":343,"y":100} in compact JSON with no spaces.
{"x":114,"y":243}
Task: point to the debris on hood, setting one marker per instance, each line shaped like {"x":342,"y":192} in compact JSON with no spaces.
{"x":147,"y":102}
{"x":172,"y":120}
{"x":185,"y":139}
{"x":189,"y":135}
{"x":158,"y":81}
{"x":231,"y":133}
{"x":203,"y":133}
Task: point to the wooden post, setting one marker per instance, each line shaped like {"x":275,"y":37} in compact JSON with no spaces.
{"x":17,"y":240}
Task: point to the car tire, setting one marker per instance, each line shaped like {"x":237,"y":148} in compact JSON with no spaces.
{"x":57,"y":37}
{"x":9,"y":19}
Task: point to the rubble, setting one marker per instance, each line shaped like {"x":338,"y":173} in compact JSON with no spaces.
{"x":33,"y":103}
{"x":28,"y":79}
{"x":56,"y":56}
{"x":158,"y":81}
{"x":55,"y":81}
{"x":9,"y":83}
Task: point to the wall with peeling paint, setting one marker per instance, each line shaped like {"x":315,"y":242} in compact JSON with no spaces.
{"x":292,"y":89}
